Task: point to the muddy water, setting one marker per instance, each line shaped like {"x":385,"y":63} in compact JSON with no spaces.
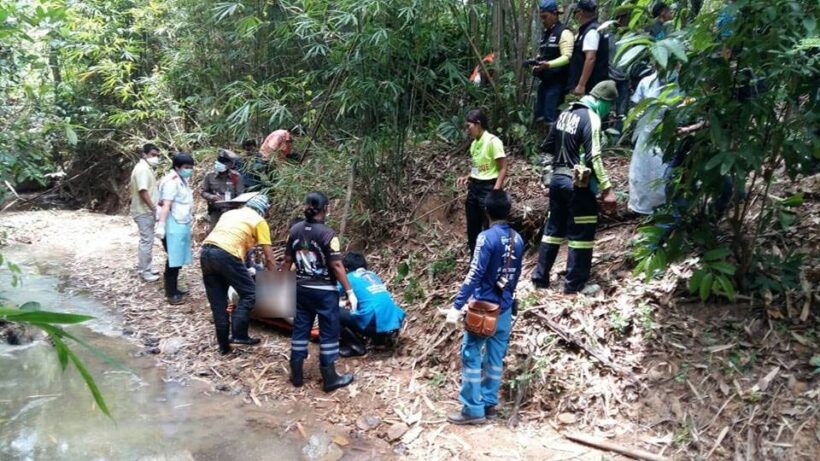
{"x":46,"y":413}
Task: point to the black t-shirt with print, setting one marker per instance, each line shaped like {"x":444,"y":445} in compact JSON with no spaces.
{"x":312,"y":246}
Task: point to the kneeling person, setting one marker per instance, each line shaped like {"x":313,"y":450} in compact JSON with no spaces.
{"x":494,"y":273}
{"x":222,"y":262}
{"x":377,"y":316}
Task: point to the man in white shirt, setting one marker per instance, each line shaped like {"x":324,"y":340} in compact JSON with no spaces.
{"x":144,"y":196}
{"x":589,"y":64}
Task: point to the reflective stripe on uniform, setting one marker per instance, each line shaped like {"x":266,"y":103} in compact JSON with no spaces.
{"x":549,"y":239}
{"x":580,"y":245}
{"x":586,"y":219}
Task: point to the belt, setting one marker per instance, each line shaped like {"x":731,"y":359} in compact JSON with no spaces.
{"x":562,"y":170}
{"x":483,"y":181}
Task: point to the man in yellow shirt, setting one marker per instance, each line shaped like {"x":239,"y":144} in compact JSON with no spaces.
{"x":144,"y":197}
{"x":222,"y":263}
{"x":552,"y":67}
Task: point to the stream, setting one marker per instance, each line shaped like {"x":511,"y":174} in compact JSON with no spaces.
{"x":47,"y":413}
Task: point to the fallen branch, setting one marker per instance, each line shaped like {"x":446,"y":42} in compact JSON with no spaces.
{"x":610,"y":446}
{"x":593,"y":351}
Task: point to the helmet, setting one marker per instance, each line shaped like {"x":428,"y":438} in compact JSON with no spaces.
{"x":259,"y":203}
{"x":605,"y":90}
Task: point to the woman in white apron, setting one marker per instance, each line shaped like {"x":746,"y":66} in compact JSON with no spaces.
{"x":175,"y":221}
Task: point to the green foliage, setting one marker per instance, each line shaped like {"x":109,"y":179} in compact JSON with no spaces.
{"x":752,"y":88}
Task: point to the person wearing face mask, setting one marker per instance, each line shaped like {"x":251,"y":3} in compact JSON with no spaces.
{"x":314,"y":249}
{"x":144,"y":196}
{"x":223,"y":183}
{"x":578,"y":174}
{"x":489,"y":169}
{"x":175,"y":221}
{"x":223,"y":265}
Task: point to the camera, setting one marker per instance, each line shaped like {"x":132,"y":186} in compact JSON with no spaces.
{"x":530,"y":63}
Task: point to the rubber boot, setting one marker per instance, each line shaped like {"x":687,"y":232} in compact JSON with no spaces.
{"x":240,"y":319}
{"x":223,"y":339}
{"x":352,"y":345}
{"x":297,"y":377}
{"x":332,"y":381}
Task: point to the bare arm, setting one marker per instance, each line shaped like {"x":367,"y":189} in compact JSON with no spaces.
{"x":589,"y":64}
{"x":286,"y":264}
{"x":163,"y":212}
{"x":502,"y":173}
{"x":146,"y":199}
{"x":270,"y":261}
{"x":339,"y":271}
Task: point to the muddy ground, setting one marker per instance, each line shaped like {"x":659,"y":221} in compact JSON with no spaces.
{"x":640,"y":364}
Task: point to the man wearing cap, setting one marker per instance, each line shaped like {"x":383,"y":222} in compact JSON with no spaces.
{"x":589,"y":63}
{"x":223,"y":183}
{"x":555,"y":50}
{"x":578,"y":174}
{"x":222,"y":263}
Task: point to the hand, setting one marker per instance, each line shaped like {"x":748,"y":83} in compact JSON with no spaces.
{"x":579,"y":90}
{"x":453,"y":316}
{"x":609,"y":199}
{"x":461,"y":181}
{"x":159,"y":231}
{"x":352,"y":301}
{"x":542,"y":66}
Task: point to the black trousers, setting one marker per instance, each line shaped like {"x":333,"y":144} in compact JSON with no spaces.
{"x":573,"y":216}
{"x":221,"y":270}
{"x":171,"y":274}
{"x":474,"y":208}
{"x":312,"y":303}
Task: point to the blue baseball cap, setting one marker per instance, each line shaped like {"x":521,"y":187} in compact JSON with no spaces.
{"x":549,"y":6}
{"x":587,"y":5}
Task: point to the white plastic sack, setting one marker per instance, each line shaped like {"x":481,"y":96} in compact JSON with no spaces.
{"x":647,"y":186}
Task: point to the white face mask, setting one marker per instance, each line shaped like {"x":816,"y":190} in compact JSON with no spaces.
{"x":220,"y":167}
{"x":153,"y":161}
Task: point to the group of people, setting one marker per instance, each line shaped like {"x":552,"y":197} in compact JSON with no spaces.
{"x":574,"y":63}
{"x":485,"y":302}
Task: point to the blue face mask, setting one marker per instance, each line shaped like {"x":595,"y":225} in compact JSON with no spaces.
{"x":186,"y":172}
{"x":220,"y":167}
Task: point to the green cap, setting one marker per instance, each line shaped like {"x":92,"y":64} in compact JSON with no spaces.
{"x":605,"y":90}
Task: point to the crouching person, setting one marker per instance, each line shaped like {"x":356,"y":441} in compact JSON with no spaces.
{"x":489,"y":287}
{"x":222,"y":262}
{"x":376,"y":317}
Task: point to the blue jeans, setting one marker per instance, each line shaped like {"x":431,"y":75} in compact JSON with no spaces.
{"x":482,"y":360}
{"x":549,"y":96}
{"x":310,"y":303}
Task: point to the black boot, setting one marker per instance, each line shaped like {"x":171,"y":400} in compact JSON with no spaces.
{"x":332,"y":381}
{"x":352,"y":345}
{"x":296,"y":375}
{"x":171,"y":280}
{"x":240,"y":319}
{"x":223,"y":339}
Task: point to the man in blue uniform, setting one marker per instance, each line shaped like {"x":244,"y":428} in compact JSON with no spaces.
{"x":315,"y":250}
{"x":377,"y":315}
{"x":494,"y":273}
{"x":575,"y":144}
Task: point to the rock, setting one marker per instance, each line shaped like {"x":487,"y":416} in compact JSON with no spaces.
{"x":222,"y":387}
{"x":368,"y":422}
{"x":317,"y":448}
{"x":396,"y":431}
{"x":171,"y":346}
{"x":591,"y":290}
{"x":567,"y":418}
{"x":334,"y":453}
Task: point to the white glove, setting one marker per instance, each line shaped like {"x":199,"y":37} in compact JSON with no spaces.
{"x":352,"y":300}
{"x":159,"y":231}
{"x":252,"y":271}
{"x":453,"y":316}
